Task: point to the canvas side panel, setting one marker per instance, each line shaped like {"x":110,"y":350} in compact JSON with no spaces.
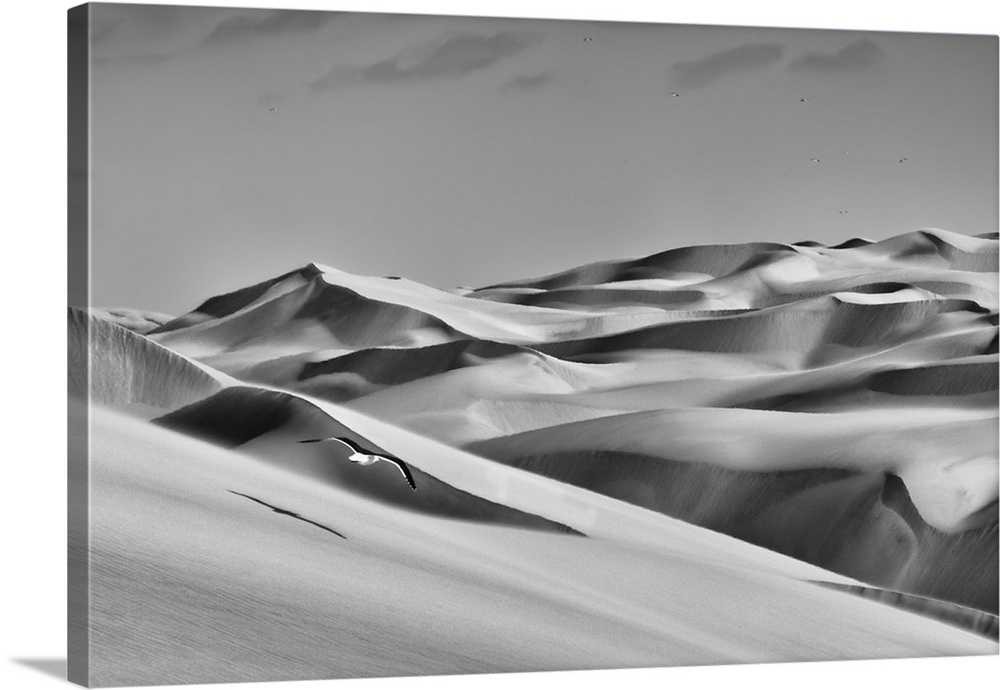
{"x":78,"y":282}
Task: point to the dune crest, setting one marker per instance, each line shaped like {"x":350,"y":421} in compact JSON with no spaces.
{"x":118,"y":367}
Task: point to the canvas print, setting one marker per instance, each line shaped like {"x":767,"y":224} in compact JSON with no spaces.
{"x":406,"y":345}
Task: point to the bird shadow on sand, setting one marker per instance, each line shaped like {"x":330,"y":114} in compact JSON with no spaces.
{"x":282,"y":511}
{"x":55,"y":667}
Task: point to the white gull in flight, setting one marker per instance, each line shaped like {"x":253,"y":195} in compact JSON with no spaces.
{"x":363,"y":456}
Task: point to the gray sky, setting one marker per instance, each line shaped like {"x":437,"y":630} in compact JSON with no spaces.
{"x":465,"y":151}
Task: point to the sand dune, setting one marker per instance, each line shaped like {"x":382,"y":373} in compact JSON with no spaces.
{"x":205,"y":585}
{"x":221,"y":306}
{"x":392,"y":366}
{"x":958,"y":252}
{"x":898,"y":440}
{"x":308,"y":316}
{"x":128,"y":369}
{"x":266,"y":424}
{"x":727,"y":423}
{"x":709,"y":260}
{"x":504,"y":393}
{"x":834,"y":518}
{"x":804,"y":269}
{"x":139,"y":321}
{"x":816,"y":330}
{"x":966,"y":376}
{"x":378,"y":311}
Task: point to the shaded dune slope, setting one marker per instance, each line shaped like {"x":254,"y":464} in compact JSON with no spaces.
{"x":127,"y":368}
{"x":311,"y":316}
{"x":267,"y":423}
{"x":844,"y":521}
{"x":702,"y":299}
{"x":868,"y":379}
{"x":917,"y":258}
{"x":364,"y":371}
{"x":319,"y":308}
{"x":229,"y":303}
{"x":798,"y":328}
{"x":969,"y":376}
{"x":238,"y":414}
{"x":878,"y":392}
{"x":956,"y":251}
{"x":732,"y":470}
{"x":963,"y":567}
{"x":965,"y":378}
{"x":711,"y":260}
{"x":395,"y":366}
{"x":851,"y":243}
{"x":590,"y":297}
{"x":765,"y":440}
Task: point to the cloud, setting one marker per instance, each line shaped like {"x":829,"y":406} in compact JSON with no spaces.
{"x":145,"y":34}
{"x":451,"y":57}
{"x":857,"y":57}
{"x":111,"y":21}
{"x":267,"y":23}
{"x":528,"y":83}
{"x":752,"y":56}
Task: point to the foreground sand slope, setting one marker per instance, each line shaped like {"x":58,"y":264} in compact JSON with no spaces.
{"x":195,"y":583}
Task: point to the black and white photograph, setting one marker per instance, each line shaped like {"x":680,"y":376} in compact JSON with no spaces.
{"x":454,"y":343}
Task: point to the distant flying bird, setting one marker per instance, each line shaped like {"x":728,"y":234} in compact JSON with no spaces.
{"x":815,"y":160}
{"x":903,"y":160}
{"x":842,"y":212}
{"x":272,"y":110}
{"x":588,"y":39}
{"x":363,"y":456}
{"x":675,"y":94}
{"x":282,"y":511}
{"x":803,"y":100}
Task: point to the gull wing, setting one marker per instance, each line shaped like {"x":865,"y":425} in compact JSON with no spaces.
{"x":402,"y":468}
{"x":358,"y":449}
{"x":342,"y":441}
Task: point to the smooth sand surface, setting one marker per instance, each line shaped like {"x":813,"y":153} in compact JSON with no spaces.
{"x":194,"y":583}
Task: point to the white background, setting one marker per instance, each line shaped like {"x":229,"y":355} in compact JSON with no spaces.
{"x":32,"y":335}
